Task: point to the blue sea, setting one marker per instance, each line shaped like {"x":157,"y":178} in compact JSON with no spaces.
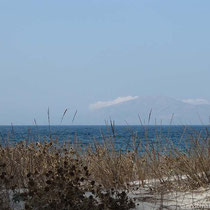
{"x":122,"y":135}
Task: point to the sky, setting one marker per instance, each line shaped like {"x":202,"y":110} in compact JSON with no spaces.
{"x":74,"y":54}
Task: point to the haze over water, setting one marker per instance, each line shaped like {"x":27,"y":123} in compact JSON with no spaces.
{"x":86,"y":55}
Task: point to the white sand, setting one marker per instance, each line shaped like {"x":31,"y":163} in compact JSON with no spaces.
{"x":145,"y":200}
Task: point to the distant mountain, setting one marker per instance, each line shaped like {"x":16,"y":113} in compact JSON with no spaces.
{"x":162,"y":110}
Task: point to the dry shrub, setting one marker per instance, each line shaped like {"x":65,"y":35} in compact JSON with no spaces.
{"x":54,"y":177}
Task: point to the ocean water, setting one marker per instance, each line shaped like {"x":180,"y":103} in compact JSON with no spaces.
{"x":122,"y":135}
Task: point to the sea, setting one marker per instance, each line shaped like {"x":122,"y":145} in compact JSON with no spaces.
{"x":122,"y":136}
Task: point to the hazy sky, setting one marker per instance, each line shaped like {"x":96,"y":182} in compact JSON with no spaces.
{"x":70,"y":54}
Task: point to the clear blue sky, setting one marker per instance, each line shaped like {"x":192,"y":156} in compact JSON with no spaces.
{"x":73,"y":53}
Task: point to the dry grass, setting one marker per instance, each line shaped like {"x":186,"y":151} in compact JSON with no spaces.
{"x":33,"y":166}
{"x":174,"y":167}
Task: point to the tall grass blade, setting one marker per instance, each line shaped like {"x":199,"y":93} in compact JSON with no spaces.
{"x":74,"y":116}
{"x":63,"y":115}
